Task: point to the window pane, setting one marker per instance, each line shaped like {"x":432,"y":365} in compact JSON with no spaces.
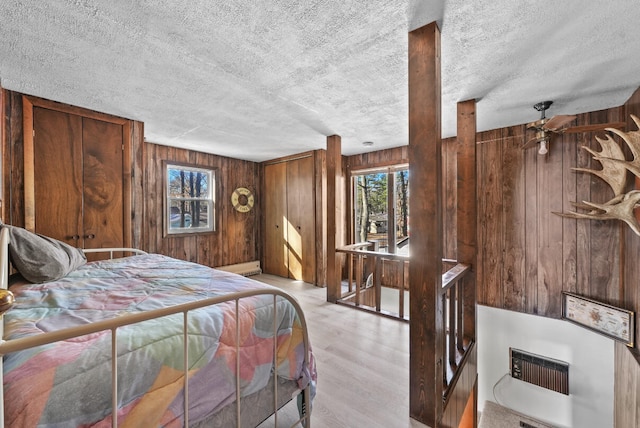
{"x":374,"y":219}
{"x":402,"y":211}
{"x":371,"y":208}
{"x":188,"y":182}
{"x":189,"y":199}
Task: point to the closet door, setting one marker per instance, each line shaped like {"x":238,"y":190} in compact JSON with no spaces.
{"x":301,"y":219}
{"x":102,"y":151}
{"x":276,"y":252}
{"x":57,"y":151}
{"x":78,"y":179}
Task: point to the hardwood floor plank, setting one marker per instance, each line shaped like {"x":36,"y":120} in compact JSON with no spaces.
{"x":362,"y":361}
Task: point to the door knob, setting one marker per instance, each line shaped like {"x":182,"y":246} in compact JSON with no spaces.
{"x":89,"y":236}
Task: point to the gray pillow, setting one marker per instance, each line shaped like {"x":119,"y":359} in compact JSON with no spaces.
{"x":40,"y":258}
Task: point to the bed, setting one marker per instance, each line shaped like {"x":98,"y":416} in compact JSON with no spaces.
{"x":148,"y":340}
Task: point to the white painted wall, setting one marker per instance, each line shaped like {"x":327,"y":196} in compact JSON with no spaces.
{"x":591,"y":371}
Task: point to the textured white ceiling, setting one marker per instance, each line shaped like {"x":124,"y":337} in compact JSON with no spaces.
{"x":259,"y":80}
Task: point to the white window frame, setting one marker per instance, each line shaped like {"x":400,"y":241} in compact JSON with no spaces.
{"x":173,"y":200}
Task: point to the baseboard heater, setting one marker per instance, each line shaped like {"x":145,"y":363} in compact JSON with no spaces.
{"x":538,"y":370}
{"x":244,"y":269}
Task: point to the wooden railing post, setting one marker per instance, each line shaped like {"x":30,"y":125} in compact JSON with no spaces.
{"x":466,"y":225}
{"x":334,"y":217}
{"x":425,"y":270}
{"x":377,"y":281}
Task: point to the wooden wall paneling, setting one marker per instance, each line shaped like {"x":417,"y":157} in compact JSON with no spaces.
{"x":531,"y":227}
{"x":320,"y":192}
{"x":425,"y":165}
{"x":583,"y":193}
{"x":514,"y":188}
{"x":490,"y":211}
{"x":569,"y":225}
{"x":234,"y":239}
{"x":449,"y":193}
{"x":378,"y":159}
{"x":13,"y":173}
{"x":223,"y":216}
{"x":153,"y":207}
{"x":206,"y":243}
{"x":481,"y":286}
{"x":616,"y":290}
{"x":549,"y":182}
{"x":28,"y":169}
{"x":605,"y":235}
{"x":630,"y":298}
{"x":627,"y":361}
{"x":137,"y":211}
{"x":631,"y":249}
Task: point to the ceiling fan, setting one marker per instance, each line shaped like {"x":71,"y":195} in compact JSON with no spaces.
{"x":545,"y":127}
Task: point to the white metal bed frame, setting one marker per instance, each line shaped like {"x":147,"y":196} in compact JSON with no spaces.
{"x":113,"y":324}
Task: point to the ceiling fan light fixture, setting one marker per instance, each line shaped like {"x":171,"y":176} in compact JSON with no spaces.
{"x":544,"y":147}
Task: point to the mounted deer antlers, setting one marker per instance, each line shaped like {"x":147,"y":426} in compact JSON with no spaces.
{"x":614,"y":173}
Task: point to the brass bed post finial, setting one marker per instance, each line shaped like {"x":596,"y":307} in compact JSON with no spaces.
{"x":7,"y":301}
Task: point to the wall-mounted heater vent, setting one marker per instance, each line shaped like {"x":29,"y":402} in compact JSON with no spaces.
{"x":244,"y":269}
{"x":538,"y":370}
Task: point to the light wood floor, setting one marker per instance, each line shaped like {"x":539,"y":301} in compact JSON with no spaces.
{"x":362,"y":361}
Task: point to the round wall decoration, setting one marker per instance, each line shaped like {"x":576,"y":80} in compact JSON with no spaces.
{"x":242,"y":199}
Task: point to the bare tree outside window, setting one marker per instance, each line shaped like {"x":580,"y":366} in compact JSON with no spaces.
{"x":189,"y":199}
{"x":374,"y":218}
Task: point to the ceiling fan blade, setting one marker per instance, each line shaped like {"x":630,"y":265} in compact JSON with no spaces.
{"x":594,"y":127}
{"x":532,"y":142}
{"x":557,"y":122}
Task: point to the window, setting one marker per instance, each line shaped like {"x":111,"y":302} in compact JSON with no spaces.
{"x":190,"y":199}
{"x":381,"y":208}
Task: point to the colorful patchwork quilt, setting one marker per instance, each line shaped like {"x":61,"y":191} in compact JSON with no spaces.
{"x":68,"y":383}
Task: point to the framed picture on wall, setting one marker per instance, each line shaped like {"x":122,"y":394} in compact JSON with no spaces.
{"x":613,"y":322}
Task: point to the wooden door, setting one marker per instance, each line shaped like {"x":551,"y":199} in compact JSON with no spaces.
{"x":275,"y":199}
{"x":78,"y":179}
{"x":57,"y":150}
{"x":301,"y":219}
{"x":103,"y":219}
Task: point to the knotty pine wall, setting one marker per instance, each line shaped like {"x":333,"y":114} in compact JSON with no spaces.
{"x":237,"y":235}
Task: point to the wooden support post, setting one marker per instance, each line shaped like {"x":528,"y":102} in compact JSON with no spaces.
{"x":334,"y":216}
{"x":425,"y":270}
{"x":467,"y":211}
